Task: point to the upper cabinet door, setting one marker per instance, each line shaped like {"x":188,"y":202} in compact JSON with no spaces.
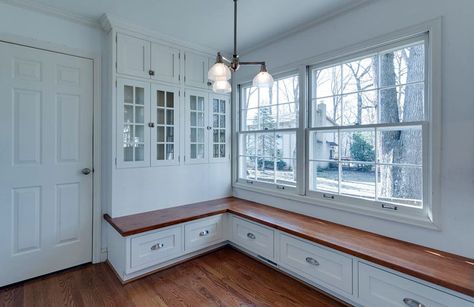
{"x":133,"y":132}
{"x":195,"y":69}
{"x":219,"y":112}
{"x":165,"y":105}
{"x":164,"y":63}
{"x":133,"y":56}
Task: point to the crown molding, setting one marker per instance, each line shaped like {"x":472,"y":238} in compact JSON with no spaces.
{"x":344,"y":10}
{"x":55,"y":12}
{"x":109,"y":22}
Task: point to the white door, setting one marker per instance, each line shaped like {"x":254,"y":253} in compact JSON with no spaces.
{"x":46,"y":104}
{"x":164,"y":63}
{"x":133,"y":56}
{"x":195,"y":69}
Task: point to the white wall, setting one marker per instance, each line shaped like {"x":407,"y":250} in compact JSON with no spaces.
{"x":46,"y":28}
{"x":374,"y":20}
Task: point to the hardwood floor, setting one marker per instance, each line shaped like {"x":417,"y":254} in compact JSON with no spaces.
{"x":223,"y":278}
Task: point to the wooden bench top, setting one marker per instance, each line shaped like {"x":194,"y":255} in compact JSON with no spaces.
{"x":448,"y":270}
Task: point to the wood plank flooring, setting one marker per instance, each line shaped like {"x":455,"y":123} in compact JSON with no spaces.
{"x":223,"y":278}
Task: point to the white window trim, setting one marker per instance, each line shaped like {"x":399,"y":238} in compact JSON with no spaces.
{"x":427,"y":218}
{"x":262,"y":184}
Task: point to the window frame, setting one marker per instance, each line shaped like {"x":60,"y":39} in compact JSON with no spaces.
{"x":340,"y":199}
{"x":239,"y":132}
{"x":429,"y":217}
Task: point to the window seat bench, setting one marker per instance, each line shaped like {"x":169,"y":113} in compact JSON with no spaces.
{"x":353,"y":259}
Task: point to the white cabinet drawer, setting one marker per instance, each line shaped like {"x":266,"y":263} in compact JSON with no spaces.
{"x":156,"y":247}
{"x":381,"y":288}
{"x":316,"y":263}
{"x":255,"y":238}
{"x":203,"y":233}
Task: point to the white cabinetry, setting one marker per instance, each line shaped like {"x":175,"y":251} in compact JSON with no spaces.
{"x":204,"y":233}
{"x":380,"y":288}
{"x":133,"y":56}
{"x":207,"y":127}
{"x":165,"y":62}
{"x":256,"y":238}
{"x":316,"y":263}
{"x":147,"y":124}
{"x":133,"y":114}
{"x":195,"y":69}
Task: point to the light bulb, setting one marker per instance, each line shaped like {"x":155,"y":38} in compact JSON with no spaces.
{"x":219,"y":72}
{"x":221,"y":87}
{"x":263,"y":79}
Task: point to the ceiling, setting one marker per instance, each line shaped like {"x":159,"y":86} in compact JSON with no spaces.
{"x":208,"y":23}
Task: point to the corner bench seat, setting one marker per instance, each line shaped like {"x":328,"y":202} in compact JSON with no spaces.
{"x":440,"y":268}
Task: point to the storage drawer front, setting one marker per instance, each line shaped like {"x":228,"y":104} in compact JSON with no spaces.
{"x":203,"y":233}
{"x":156,"y":247}
{"x":315,"y":263}
{"x":253,"y":237}
{"x":380,"y":288}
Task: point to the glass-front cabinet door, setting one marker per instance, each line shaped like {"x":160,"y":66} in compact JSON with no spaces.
{"x":133,"y":134}
{"x":165,"y":125}
{"x":220,"y":128}
{"x":196,"y":126}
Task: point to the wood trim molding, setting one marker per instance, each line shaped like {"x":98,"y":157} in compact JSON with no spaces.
{"x":441,"y":268}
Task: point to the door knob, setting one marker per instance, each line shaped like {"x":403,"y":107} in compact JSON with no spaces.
{"x":86,"y":171}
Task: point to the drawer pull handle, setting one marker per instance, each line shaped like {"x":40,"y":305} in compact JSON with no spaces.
{"x":412,"y":303}
{"x":157,"y":246}
{"x":204,"y":233}
{"x":251,"y":236}
{"x":312,"y":261}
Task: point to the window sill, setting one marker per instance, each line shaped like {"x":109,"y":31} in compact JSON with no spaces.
{"x":414,"y":220}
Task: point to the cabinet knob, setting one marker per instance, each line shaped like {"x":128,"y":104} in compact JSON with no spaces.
{"x":251,"y":236}
{"x":209,"y":128}
{"x":151,"y":125}
{"x":204,"y":233}
{"x":209,"y":83}
{"x":151,"y":72}
{"x":312,"y":261}
{"x":86,"y":171}
{"x":412,"y":303}
{"x":157,"y":246}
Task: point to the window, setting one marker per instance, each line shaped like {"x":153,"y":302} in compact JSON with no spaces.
{"x":267,"y":137}
{"x":368,"y":127}
{"x":369,"y":140}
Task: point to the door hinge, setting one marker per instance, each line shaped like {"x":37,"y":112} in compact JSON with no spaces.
{"x":184,"y":158}
{"x":115,"y":83}
{"x":179,"y":158}
{"x":115,"y":160}
{"x":185,"y":56}
{"x":116,"y":65}
{"x":179,"y":93}
{"x":184,"y":78}
{"x":116,"y":37}
{"x":179,"y":55}
{"x":179,"y":77}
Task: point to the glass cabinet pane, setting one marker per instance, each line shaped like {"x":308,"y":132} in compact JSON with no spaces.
{"x":165,"y":121}
{"x":197,"y":127}
{"x":133,"y":100}
{"x":219,"y":118}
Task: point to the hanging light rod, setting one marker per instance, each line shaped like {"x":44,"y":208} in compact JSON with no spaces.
{"x":221,"y":72}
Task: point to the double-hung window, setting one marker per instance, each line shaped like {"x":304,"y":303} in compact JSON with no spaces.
{"x":368,"y":128}
{"x":267,"y":134}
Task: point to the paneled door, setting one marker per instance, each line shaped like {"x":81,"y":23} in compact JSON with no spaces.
{"x":46,"y":105}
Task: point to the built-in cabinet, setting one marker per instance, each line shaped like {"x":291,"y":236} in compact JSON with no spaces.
{"x":356,"y":281}
{"x":166,"y":113}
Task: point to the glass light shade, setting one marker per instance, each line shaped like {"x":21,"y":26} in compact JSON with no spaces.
{"x":222,"y":87}
{"x":219,"y":72}
{"x":263,"y":79}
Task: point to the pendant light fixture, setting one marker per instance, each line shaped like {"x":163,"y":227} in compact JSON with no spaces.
{"x":220,"y":73}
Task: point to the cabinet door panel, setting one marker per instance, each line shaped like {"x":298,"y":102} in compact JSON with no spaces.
{"x":133,"y":133}
{"x":219,"y":120}
{"x":195,"y":69}
{"x":133,"y":56}
{"x":196,"y":135}
{"x":165,"y":117}
{"x":165,"y":63}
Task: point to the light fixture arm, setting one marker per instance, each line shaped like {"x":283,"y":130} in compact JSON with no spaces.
{"x":221,"y":71}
